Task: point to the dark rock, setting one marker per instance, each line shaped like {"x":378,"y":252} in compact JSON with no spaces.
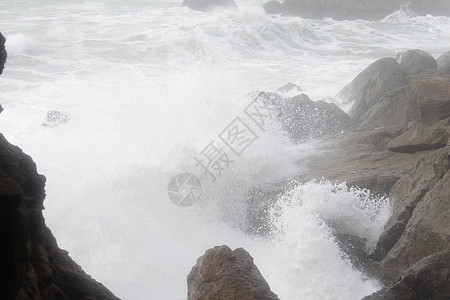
{"x":304,"y":119}
{"x":434,"y":97}
{"x":225,"y":274}
{"x":371,"y":85}
{"x":416,"y":61}
{"x":2,"y":53}
{"x":425,"y":280}
{"x":419,"y":138}
{"x":427,"y":231}
{"x":32,"y":265}
{"x":442,"y":164}
{"x":208,"y":5}
{"x":398,"y":107}
{"x":443,"y":60}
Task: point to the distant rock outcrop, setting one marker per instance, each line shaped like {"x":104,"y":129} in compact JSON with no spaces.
{"x":208,"y":5}
{"x":225,"y":274}
{"x":355,"y":9}
{"x":416,"y":61}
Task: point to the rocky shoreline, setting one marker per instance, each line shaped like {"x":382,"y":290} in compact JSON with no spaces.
{"x":395,"y":141}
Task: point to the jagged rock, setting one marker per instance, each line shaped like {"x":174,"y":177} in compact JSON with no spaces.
{"x":33,"y":267}
{"x":397,"y":107}
{"x":225,"y":274}
{"x":357,"y":9}
{"x":416,"y":61}
{"x":304,"y":119}
{"x":208,"y":5}
{"x":427,"y":231}
{"x":425,"y":280}
{"x":434,"y":98}
{"x":2,"y":52}
{"x":442,"y":164}
{"x":371,"y":85}
{"x":443,"y":60}
{"x":419,"y":138}
{"x":404,"y":196}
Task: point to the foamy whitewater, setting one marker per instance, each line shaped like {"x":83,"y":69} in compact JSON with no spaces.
{"x":146,"y":85}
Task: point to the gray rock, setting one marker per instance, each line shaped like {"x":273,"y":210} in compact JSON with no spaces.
{"x":304,"y":119}
{"x":371,"y":85}
{"x":398,"y":107}
{"x":427,"y":231}
{"x":225,"y":274}
{"x":443,"y":60}
{"x":416,"y":61}
{"x":434,"y":98}
{"x":404,"y":196}
{"x":425,"y":280}
{"x":419,"y":138}
{"x":273,"y":7}
{"x":208,"y":5}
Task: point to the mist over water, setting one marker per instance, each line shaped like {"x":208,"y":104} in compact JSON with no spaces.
{"x":146,"y":85}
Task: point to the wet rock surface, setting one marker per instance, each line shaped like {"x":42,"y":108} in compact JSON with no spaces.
{"x":222,"y":273}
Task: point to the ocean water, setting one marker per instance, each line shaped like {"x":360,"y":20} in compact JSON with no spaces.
{"x":137,"y":89}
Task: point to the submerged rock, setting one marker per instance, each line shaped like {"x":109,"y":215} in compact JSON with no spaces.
{"x":208,"y":5}
{"x":225,"y":274}
{"x":55,"y":118}
{"x":426,"y":279}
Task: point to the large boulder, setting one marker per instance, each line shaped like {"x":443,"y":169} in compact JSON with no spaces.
{"x":208,"y":5}
{"x":304,"y":119}
{"x":427,"y":231}
{"x":443,"y":60}
{"x":416,"y":61}
{"x":2,"y":53}
{"x":425,"y":280}
{"x":356,"y":9}
{"x":397,"y":107}
{"x":225,"y":274}
{"x":371,"y":85}
{"x":434,"y":97}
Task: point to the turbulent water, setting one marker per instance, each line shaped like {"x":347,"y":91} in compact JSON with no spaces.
{"x":142,"y":88}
